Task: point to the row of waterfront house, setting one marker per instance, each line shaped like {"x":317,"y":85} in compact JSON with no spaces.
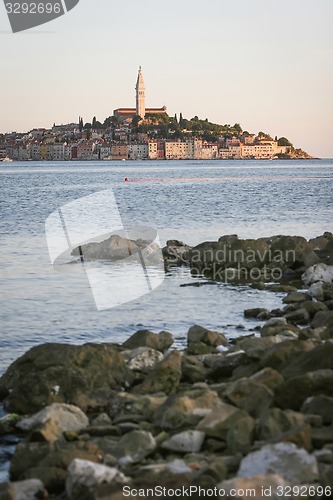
{"x":59,"y":145}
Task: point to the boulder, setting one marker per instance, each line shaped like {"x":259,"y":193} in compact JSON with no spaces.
{"x":296,"y":297}
{"x":125,"y":407}
{"x":202,"y":341}
{"x":240,"y":435}
{"x":190,"y":406}
{"x":137,"y":445}
{"x":293,"y":464}
{"x":165,"y":377}
{"x":256,"y":312}
{"x":319,"y":272}
{"x":322,"y":436}
{"x":319,"y":358}
{"x":193,"y":369}
{"x":142,"y":359}
{"x":275,"y":422}
{"x":284,"y":354}
{"x":319,"y":405}
{"x":176,"y":254}
{"x":322,"y":318}
{"x":296,"y":390}
{"x":85,"y":376}
{"x":299,"y":317}
{"x":145,"y":338}
{"x":66,"y":417}
{"x":222,"y":366}
{"x":185,"y":442}
{"x":251,"y":396}
{"x":217,"y":423}
{"x":31,"y":489}
{"x":268,"y":377}
{"x":84,"y":476}
{"x":273,"y":326}
{"x":256,"y":347}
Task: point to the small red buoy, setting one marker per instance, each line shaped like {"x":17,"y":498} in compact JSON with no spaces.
{"x":126,"y":179}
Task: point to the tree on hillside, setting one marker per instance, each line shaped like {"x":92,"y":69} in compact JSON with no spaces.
{"x":283,"y":141}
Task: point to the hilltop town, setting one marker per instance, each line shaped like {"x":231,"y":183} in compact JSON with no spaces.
{"x":142,"y":133}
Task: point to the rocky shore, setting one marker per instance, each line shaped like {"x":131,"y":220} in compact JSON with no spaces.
{"x":251,"y":416}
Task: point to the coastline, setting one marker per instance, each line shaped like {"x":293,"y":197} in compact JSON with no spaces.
{"x":144,"y":415}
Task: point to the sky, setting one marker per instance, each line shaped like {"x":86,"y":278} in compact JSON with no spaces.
{"x":265,"y":64}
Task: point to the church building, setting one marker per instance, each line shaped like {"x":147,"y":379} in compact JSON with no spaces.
{"x":140,"y":109}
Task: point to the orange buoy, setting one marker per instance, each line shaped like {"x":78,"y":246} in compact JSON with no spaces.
{"x":126,"y":179}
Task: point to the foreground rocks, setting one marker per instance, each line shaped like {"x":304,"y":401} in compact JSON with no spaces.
{"x":252,"y":412}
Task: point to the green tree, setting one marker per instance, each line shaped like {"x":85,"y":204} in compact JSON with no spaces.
{"x":283,"y":141}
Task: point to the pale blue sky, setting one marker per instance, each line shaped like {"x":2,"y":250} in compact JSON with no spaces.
{"x":263,"y":63}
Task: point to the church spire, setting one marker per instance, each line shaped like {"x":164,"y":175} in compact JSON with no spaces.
{"x":140,"y":95}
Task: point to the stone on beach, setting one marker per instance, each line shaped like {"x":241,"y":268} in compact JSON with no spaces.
{"x":145,"y":338}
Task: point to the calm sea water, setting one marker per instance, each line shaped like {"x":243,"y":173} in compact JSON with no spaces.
{"x":191,"y":201}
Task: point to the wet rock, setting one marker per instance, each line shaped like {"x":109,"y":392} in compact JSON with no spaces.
{"x":296,"y":390}
{"x":203,"y":341}
{"x":190,"y":406}
{"x":217,"y":423}
{"x":30,"y":489}
{"x":293,"y":251}
{"x":296,"y":297}
{"x":59,"y":373}
{"x":319,"y":405}
{"x":293,"y":464}
{"x":142,"y":359}
{"x":165,"y":377}
{"x":145,"y":338}
{"x":261,"y":487}
{"x":8,"y":423}
{"x":318,"y":272}
{"x":273,"y":326}
{"x":84,"y":476}
{"x":256,"y":312}
{"x":185,"y":442}
{"x":298,"y":317}
{"x":250,"y":396}
{"x":313,"y":307}
{"x":66,"y":417}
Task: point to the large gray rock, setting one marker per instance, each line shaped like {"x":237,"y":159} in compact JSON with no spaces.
{"x":66,"y":417}
{"x":217,"y":423}
{"x":136,"y":445}
{"x":84,"y":476}
{"x":285,"y":459}
{"x":251,"y":396}
{"x":319,"y":272}
{"x":165,"y":377}
{"x":84,"y":375}
{"x":31,"y":489}
{"x":202,"y":341}
{"x":142,"y":359}
{"x":319,"y":405}
{"x":185,"y":442}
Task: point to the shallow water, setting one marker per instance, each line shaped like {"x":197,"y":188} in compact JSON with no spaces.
{"x":191,"y":201}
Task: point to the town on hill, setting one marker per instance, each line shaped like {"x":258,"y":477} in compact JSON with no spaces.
{"x":142,"y":133}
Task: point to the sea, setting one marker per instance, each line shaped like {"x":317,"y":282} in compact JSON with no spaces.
{"x":192,"y":201}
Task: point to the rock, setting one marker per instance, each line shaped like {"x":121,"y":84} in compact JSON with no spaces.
{"x":261,"y":487}
{"x":319,"y":358}
{"x":193,"y":370}
{"x":298,"y":317}
{"x":136,"y":445}
{"x":84,"y":476}
{"x":250,"y":396}
{"x":322,"y":318}
{"x":293,"y":464}
{"x":190,"y":406}
{"x":66,"y":418}
{"x":318,"y":272}
{"x":275,"y":422}
{"x":322,"y":291}
{"x":240,"y":435}
{"x":273,"y":326}
{"x":176,"y":254}
{"x":102,"y":419}
{"x":31,"y":489}
{"x":185,"y":442}
{"x":296,"y":297}
{"x":254,"y":313}
{"x":256,"y":347}
{"x":145,"y":338}
{"x":165,"y":377}
{"x":202,"y":341}
{"x":8,"y":423}
{"x":321,"y":436}
{"x":57,"y":373}
{"x":285,"y":353}
{"x":221,"y":366}
{"x":313,"y":307}
{"x":142,"y":359}
{"x":319,"y":405}
{"x":279,"y":288}
{"x":217,"y":423}
{"x":327,"y":333}
{"x":296,"y":390}
{"x":125,"y":407}
{"x":268,"y":377}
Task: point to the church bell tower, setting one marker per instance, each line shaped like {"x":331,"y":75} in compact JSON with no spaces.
{"x":140,"y":95}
